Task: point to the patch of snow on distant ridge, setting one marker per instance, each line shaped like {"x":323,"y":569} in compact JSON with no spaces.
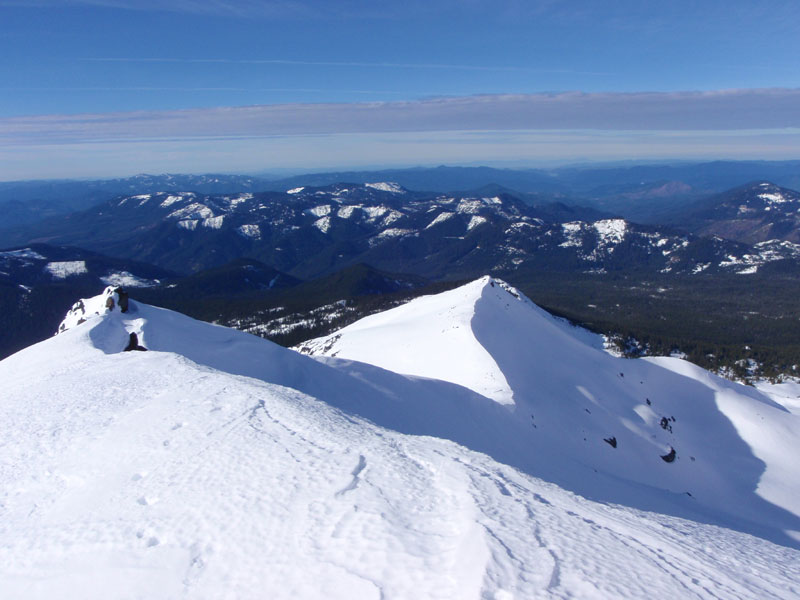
{"x":214,"y":222}
{"x":126,"y":279}
{"x":392,"y":217}
{"x":195,"y":211}
{"x":67,"y":268}
{"x":323,"y":224}
{"x":250,"y":231}
{"x":190,"y":224}
{"x":240,"y":199}
{"x":571,"y":231}
{"x":469,"y":206}
{"x":475,"y":221}
{"x":774,"y":198}
{"x":295,"y":190}
{"x":440,"y":218}
{"x":375,"y":212}
{"x":345,"y":212}
{"x":611,"y":231}
{"x":319,"y":211}
{"x":22,"y":253}
{"x":170,"y":200}
{"x":394,"y":232}
{"x":385,"y":187}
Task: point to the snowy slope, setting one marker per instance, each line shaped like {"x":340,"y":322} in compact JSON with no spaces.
{"x":734,"y":446}
{"x":218,"y":465}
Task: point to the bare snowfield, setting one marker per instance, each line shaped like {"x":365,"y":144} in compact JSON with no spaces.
{"x":218,"y":465}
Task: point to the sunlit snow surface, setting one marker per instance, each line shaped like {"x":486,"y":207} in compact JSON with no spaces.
{"x":218,"y":465}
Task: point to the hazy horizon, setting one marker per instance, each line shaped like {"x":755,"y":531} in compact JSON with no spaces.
{"x":102,"y":88}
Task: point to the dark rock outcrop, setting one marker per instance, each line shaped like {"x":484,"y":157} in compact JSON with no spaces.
{"x":133,"y":344}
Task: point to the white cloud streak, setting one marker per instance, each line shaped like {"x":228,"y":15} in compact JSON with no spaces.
{"x":342,"y":151}
{"x":666,"y":111}
{"x":344,"y":64}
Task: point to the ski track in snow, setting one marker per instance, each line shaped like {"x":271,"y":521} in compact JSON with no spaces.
{"x":147,"y":475}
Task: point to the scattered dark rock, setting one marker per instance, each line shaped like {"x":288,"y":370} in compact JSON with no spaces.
{"x":612,"y":441}
{"x":123,"y":299}
{"x":110,"y":303}
{"x":648,"y":401}
{"x":665,"y":424}
{"x":669,"y":457}
{"x":133,"y":344}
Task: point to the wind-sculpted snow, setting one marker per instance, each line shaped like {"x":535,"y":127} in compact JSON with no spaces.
{"x":220,"y":465}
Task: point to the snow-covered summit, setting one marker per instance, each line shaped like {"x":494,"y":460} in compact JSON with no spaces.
{"x":218,"y":464}
{"x":438,"y":336}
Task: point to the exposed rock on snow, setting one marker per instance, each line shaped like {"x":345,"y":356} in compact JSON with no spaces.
{"x":89,"y":308}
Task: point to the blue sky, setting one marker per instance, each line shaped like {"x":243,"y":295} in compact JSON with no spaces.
{"x":112,"y":87}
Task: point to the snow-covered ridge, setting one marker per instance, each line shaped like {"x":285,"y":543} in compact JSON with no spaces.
{"x":492,"y":340}
{"x":24,"y":253}
{"x":384,"y":186}
{"x":218,"y":464}
{"x":369,"y":210}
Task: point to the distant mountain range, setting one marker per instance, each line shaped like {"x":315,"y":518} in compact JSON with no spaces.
{"x":23,"y":202}
{"x":286,"y":264}
{"x":641,"y":193}
{"x":311,"y":232}
{"x":753,"y":213}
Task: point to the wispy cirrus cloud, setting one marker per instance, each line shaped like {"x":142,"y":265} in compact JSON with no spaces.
{"x":645,"y":111}
{"x":622,"y":14}
{"x":344,"y":64}
{"x":234,"y":8}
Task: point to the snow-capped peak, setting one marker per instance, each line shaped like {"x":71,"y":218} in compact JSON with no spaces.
{"x":441,"y":336}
